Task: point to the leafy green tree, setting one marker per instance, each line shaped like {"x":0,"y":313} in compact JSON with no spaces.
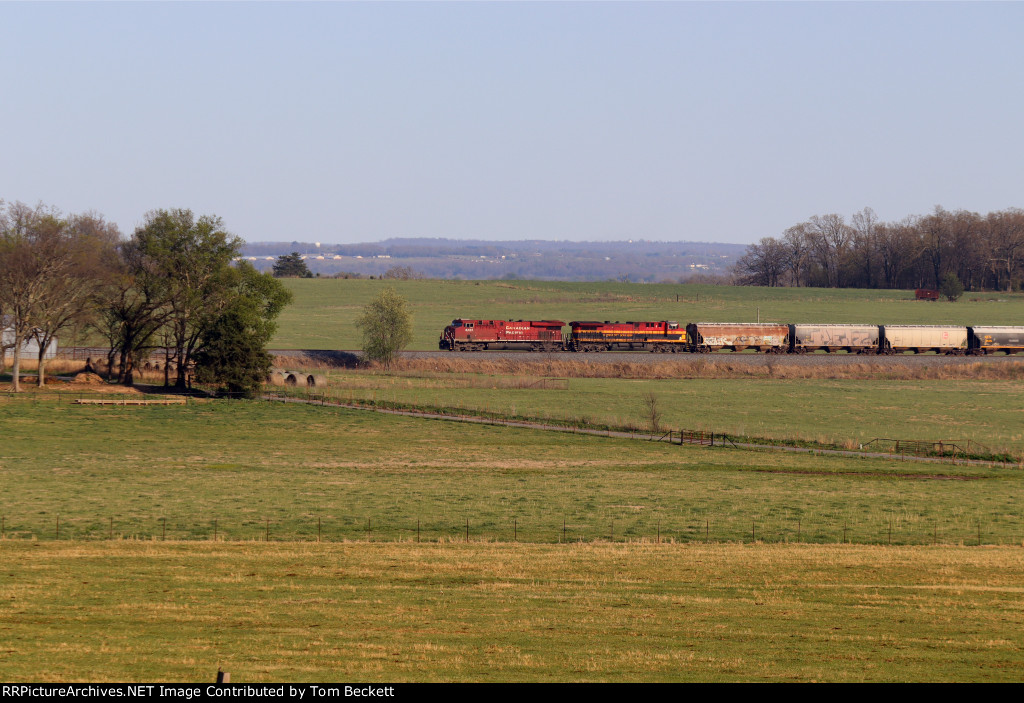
{"x":951,"y":287}
{"x":194,"y":257}
{"x":232,"y":357}
{"x":386,"y":325}
{"x":291,"y":266}
{"x":232,"y":353}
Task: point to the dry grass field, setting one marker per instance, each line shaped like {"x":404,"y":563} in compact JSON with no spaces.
{"x":144,"y":611}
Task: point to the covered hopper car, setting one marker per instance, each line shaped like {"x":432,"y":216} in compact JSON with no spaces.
{"x":853,"y":339}
{"x":737,"y":336}
{"x":988,"y":340}
{"x":941,"y":339}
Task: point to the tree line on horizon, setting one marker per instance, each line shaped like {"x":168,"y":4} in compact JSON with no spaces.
{"x":171,"y":284}
{"x":982,"y":252}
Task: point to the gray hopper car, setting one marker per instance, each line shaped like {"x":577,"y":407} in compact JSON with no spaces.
{"x":854,"y":339}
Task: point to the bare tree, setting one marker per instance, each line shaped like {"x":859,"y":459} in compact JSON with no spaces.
{"x":24,"y":270}
{"x":1006,"y":234}
{"x":652,"y":411}
{"x":763,"y":264}
{"x":899,"y":247}
{"x":915,"y":252}
{"x":830,"y":237}
{"x":79,"y":252}
{"x":797,"y":245}
{"x":864,"y":245}
{"x":400,"y":273}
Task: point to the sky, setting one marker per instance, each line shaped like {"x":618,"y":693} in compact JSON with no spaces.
{"x":666,"y":121}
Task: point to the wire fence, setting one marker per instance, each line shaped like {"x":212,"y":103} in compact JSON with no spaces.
{"x":568,"y":529}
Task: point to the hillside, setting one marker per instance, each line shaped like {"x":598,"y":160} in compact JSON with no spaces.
{"x":637,"y":260}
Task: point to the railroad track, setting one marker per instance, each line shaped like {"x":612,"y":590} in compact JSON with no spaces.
{"x":344,"y":357}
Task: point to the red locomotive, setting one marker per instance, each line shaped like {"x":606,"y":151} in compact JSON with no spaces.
{"x":477,"y":335}
{"x":664,"y":336}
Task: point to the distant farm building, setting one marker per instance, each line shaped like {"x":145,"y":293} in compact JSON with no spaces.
{"x":29,"y":347}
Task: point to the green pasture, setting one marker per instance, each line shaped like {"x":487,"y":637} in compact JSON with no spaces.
{"x":307,"y":612}
{"x":323,"y":312}
{"x":256,"y":470}
{"x":845,"y":412}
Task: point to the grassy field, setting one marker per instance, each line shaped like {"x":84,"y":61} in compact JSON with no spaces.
{"x":130,"y":611}
{"x":248,"y":471}
{"x":303,"y":543}
{"x":845,"y":412}
{"x":323,"y":312}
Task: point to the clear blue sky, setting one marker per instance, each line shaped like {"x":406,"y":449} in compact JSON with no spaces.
{"x":346,"y":122}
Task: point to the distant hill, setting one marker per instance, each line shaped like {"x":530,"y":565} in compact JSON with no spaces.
{"x":636,"y":260}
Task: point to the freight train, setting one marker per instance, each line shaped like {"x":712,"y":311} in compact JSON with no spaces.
{"x":666,"y":336}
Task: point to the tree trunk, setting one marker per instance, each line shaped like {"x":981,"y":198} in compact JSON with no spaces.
{"x":129,"y":370}
{"x":122,"y":369}
{"x":41,"y":380}
{"x":17,"y":363}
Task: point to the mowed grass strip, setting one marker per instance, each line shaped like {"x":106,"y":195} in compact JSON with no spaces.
{"x":323,"y":313}
{"x":257,"y":471}
{"x":405,"y":612}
